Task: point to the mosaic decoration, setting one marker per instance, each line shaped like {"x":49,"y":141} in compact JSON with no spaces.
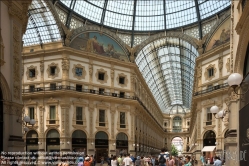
{"x":99,"y":44}
{"x":221,"y":36}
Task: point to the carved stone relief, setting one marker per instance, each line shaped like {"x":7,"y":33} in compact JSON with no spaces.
{"x":78,"y":76}
{"x":220,"y":65}
{"x":1,"y":50}
{"x":125,"y":80}
{"x":16,"y":62}
{"x":207,"y":77}
{"x":28,"y":75}
{"x":101,"y":70}
{"x":228,"y":65}
{"x":57,"y":70}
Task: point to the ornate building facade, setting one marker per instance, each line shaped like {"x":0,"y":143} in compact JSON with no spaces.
{"x":99,"y":97}
{"x":13,"y":25}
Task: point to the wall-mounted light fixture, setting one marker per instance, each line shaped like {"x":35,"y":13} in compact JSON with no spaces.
{"x":92,"y":143}
{"x":68,"y":142}
{"x":26,"y":121}
{"x":114,"y":144}
{"x":220,"y":113}
{"x":39,"y":143}
{"x":61,"y":142}
{"x":235,"y":80}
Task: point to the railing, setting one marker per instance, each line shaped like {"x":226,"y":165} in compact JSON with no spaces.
{"x":71,"y":88}
{"x":210,"y":89}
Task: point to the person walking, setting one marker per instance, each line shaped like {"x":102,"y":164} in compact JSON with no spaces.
{"x":202,"y":160}
{"x":162,"y":158}
{"x":217,"y":161}
{"x":114,"y":161}
{"x":127,"y":160}
{"x":188,"y":163}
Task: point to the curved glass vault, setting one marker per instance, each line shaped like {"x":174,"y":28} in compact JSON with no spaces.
{"x":167,"y":66}
{"x":149,"y":15}
{"x":42,"y":27}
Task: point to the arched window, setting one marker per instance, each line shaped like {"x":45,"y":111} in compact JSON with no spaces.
{"x":122,"y":136}
{"x":101,"y":135}
{"x":78,"y":134}
{"x":177,"y":124}
{"x":209,"y":138}
{"x":32,"y":134}
{"x":53,"y":134}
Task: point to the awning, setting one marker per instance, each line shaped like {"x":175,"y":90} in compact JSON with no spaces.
{"x":208,"y":148}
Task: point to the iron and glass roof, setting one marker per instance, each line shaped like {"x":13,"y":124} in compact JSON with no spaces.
{"x":42,"y":27}
{"x":145,"y":15}
{"x":167,"y":66}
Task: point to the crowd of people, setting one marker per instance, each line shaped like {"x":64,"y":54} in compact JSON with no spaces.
{"x":162,"y":159}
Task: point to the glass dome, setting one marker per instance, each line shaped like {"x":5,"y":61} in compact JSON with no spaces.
{"x":149,"y":15}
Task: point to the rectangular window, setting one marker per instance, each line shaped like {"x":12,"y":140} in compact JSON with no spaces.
{"x":122,"y":94}
{"x":31,"y":113}
{"x":31,"y":73}
{"x":79,"y":88}
{"x":122,"y":80}
{"x":79,"y":117}
{"x":210,"y":72}
{"x":122,"y":120}
{"x":209,"y":117}
{"x":101,"y":117}
{"x":52,"y":86}
{"x":101,"y":91}
{"x":31,"y":88}
{"x":52,"y":70}
{"x":188,"y":123}
{"x":101,"y":76}
{"x":78,"y":71}
{"x":52,"y":115}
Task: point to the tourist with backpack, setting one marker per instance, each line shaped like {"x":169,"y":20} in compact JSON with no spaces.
{"x":162,"y":158}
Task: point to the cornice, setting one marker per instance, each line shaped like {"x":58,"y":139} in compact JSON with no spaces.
{"x":214,"y":81}
{"x":213,"y":52}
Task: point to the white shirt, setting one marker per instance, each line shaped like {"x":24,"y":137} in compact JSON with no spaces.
{"x":127,"y":161}
{"x":113,"y":162}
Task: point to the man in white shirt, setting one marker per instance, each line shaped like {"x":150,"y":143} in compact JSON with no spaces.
{"x":127,"y":160}
{"x":162,"y":162}
{"x":217,"y":161}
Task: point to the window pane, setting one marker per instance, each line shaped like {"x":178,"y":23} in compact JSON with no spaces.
{"x":122,"y":117}
{"x":52,"y":112}
{"x":31,"y":113}
{"x":101,"y":115}
{"x":78,"y":113}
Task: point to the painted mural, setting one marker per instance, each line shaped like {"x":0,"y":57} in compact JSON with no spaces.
{"x":99,"y":44}
{"x":221,"y":36}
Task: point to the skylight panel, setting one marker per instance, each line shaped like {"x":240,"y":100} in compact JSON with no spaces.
{"x":118,"y":20}
{"x":88,"y":10}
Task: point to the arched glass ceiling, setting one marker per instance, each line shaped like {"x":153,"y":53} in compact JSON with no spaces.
{"x":149,"y":15}
{"x":42,"y":27}
{"x":167,"y":66}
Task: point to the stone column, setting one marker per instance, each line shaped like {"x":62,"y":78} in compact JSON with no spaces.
{"x":112,"y":80}
{"x":65,"y":133}
{"x":41,"y":137}
{"x":232,"y":140}
{"x":65,"y":71}
{"x":90,"y":74}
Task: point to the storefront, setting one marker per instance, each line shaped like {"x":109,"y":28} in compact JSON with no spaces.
{"x":79,"y":141}
{"x":101,"y":146}
{"x":53,"y":141}
{"x":32,"y":144}
{"x":121,"y":144}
